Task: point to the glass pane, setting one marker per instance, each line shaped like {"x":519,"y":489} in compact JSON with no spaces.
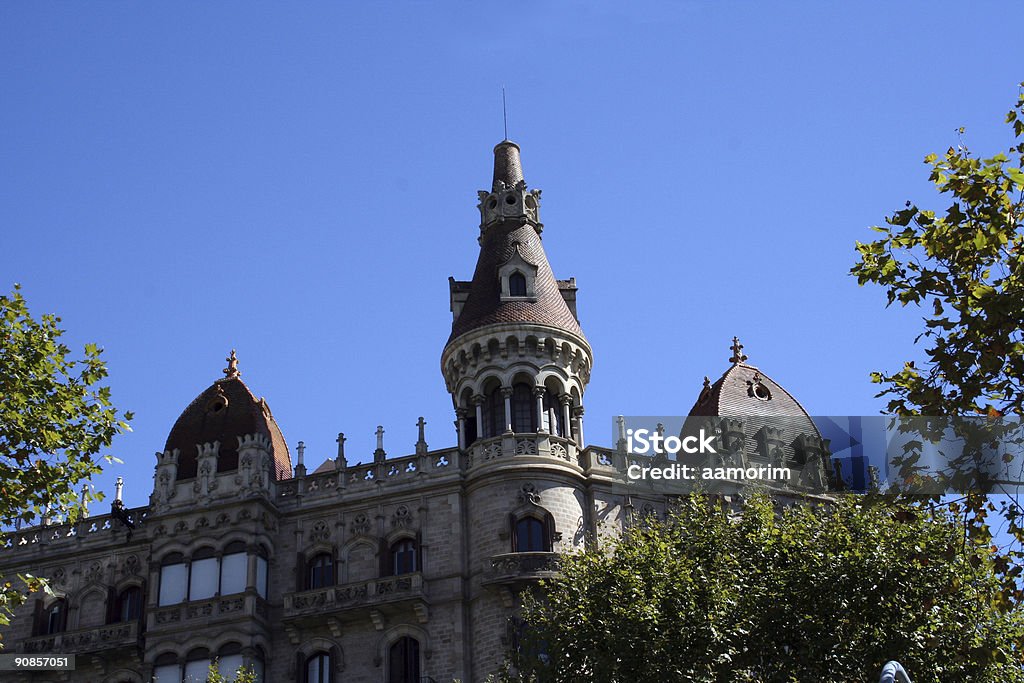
{"x":196,"y":672}
{"x":131,"y":604}
{"x":261,"y":576}
{"x":173,"y":584}
{"x":228,"y":665}
{"x":233,"y":571}
{"x":204,"y":579}
{"x":170,"y":673}
{"x":318,"y":669}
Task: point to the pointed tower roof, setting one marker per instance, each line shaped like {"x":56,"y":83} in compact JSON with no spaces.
{"x":223,"y":412}
{"x":510,"y":230}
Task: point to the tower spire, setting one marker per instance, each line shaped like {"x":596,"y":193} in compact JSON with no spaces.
{"x":508,"y":169}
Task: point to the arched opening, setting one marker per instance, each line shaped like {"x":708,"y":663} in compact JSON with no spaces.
{"x":402,"y":557}
{"x":517,"y":284}
{"x":318,"y":668}
{"x":524,"y":411}
{"x":197,"y":665}
{"x":56,"y":617}
{"x":404,"y":661}
{"x":129,"y":604}
{"x":469,"y":417}
{"x":320,"y":571}
{"x":234,"y":565}
{"x":493,"y":409}
{"x":532,"y":533}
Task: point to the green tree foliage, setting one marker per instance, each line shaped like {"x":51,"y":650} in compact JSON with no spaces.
{"x":964,"y":266}
{"x":54,"y":424}
{"x":799,"y":594}
{"x":242,"y":675}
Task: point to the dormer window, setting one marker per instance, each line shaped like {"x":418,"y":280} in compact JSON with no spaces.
{"x":518,"y":278}
{"x":517,"y":284}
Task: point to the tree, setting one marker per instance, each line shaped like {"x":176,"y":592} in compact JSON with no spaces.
{"x":826,"y":593}
{"x":966,"y":263}
{"x":965,"y":267}
{"x":242,"y":675}
{"x":55,"y":423}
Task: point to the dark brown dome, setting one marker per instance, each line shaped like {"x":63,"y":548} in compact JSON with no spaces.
{"x":224,"y":412}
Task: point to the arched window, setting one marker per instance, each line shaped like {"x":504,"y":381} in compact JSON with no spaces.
{"x":553,"y":413}
{"x":320,"y":571}
{"x":494,"y":413}
{"x":197,"y":665}
{"x":318,"y":668}
{"x":404,"y":661}
{"x":531,"y":536}
{"x":173,"y":580}
{"x":524,"y":409}
{"x":403,"y":557}
{"x":129,"y":604}
{"x":229,"y":661}
{"x":517,"y":284}
{"x":204,"y":575}
{"x":234,"y":566}
{"x":56,"y":617}
{"x":167,"y":669}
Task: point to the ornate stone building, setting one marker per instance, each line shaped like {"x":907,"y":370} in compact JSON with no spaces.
{"x":406,"y":569}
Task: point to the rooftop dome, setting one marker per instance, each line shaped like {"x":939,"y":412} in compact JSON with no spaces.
{"x":223,"y":412}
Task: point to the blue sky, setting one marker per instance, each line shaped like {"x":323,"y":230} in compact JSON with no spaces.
{"x":298,"y":181}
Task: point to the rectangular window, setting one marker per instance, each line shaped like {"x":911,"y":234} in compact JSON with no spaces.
{"x":261,"y":576}
{"x":203,"y":579}
{"x":234,"y":569}
{"x":173,"y":584}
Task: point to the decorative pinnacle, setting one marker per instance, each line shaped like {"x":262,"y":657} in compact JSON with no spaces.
{"x":231,"y":371}
{"x":737,"y":351}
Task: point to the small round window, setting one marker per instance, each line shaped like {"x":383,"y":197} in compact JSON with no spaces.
{"x":493,"y":203}
{"x":217,"y":404}
{"x":511,"y":199}
{"x":760,"y":392}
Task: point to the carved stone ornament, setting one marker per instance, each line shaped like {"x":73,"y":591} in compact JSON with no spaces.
{"x":528,"y":494}
{"x":402,"y":517}
{"x":319,"y":532}
{"x":94,"y":573}
{"x":361,"y":524}
{"x":131,"y":566}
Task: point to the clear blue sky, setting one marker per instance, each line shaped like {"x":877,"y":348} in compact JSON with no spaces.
{"x":298,"y":181}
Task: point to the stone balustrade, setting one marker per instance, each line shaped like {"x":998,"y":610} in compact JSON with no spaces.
{"x":96,"y":639}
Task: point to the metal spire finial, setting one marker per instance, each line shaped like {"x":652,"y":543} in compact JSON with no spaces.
{"x":231,"y":371}
{"x":504,"y":111}
{"x":737,"y":351}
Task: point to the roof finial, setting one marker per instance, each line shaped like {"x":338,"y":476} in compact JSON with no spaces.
{"x":231,"y":371}
{"x":737,"y":351}
{"x":504,"y":111}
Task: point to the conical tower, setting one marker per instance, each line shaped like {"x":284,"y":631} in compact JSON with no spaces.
{"x":517,"y":361}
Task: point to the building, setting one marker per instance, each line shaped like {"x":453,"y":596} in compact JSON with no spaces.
{"x":405,"y":569}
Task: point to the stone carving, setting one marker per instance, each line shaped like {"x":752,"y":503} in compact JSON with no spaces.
{"x":526,"y":447}
{"x":402,"y":517}
{"x":528,"y":494}
{"x":361,"y":524}
{"x":131,"y":566}
{"x":94,"y":573}
{"x":319,"y":532}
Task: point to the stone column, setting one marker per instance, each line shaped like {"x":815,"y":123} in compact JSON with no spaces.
{"x":566,"y":401}
{"x":578,"y":415}
{"x":538,"y":393}
{"x":460,"y":413}
{"x":506,"y":393}
{"x":478,"y":404}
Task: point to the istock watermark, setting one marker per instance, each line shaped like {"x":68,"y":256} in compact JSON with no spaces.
{"x":679,"y":472}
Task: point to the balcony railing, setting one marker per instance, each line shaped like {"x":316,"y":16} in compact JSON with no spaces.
{"x":352,"y":595}
{"x":512,"y":567}
{"x":202,"y":611}
{"x":96,"y":639}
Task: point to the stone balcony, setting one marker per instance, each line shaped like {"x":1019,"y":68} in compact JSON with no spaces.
{"x":512,"y":568}
{"x":376,"y":598}
{"x":96,"y":639}
{"x":511,"y":449}
{"x":201,"y":612}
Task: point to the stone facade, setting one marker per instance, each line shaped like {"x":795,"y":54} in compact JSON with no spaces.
{"x":405,"y":569}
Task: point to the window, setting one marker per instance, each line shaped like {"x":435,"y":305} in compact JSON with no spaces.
{"x":517,"y":284}
{"x":56,"y":617}
{"x":204,"y":575}
{"x":531,"y":536}
{"x":524,"y":409}
{"x":403,"y":557}
{"x":167,"y":669}
{"x":129,"y":604}
{"x":553,"y":413}
{"x":321,"y":572}
{"x":318,"y":668}
{"x":229,"y":661}
{"x":494,"y":413}
{"x":404,"y":661}
{"x":173,"y":580}
{"x":197,"y":665}
{"x":234,"y":569}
